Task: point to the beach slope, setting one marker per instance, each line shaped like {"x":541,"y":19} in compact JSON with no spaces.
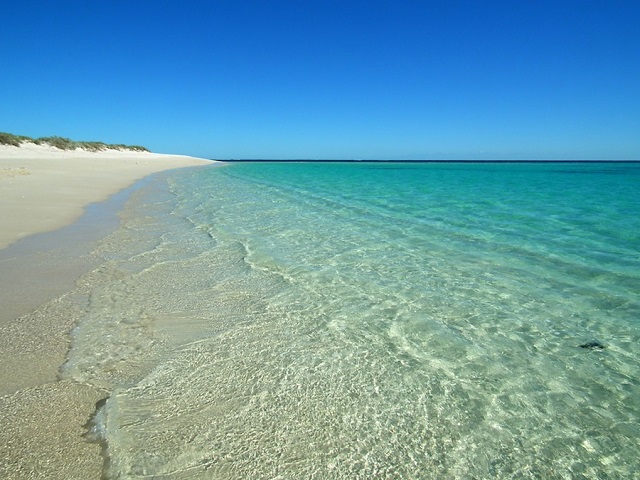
{"x":43,"y":188}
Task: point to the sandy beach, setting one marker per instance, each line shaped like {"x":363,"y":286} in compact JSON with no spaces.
{"x":42,"y":189}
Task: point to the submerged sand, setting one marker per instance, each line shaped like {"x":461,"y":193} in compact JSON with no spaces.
{"x":43,"y":420}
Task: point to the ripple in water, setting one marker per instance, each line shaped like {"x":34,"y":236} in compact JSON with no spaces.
{"x":338,"y":321}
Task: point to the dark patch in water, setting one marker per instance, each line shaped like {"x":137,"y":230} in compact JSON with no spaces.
{"x":593,"y":345}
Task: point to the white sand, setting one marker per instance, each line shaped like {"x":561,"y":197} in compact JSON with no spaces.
{"x":43,"y":188}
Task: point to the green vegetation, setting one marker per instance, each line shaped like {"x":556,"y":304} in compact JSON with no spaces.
{"x":10,"y":139}
{"x":65,"y":143}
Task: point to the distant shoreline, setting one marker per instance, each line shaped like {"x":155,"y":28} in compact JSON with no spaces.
{"x":258,"y":160}
{"x":45,"y":188}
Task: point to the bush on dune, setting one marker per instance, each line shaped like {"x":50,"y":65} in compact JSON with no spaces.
{"x":66,"y":143}
{"x":58,"y":142}
{"x":13,"y":140}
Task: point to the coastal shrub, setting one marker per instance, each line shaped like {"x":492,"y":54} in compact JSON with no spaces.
{"x":66,"y":144}
{"x":14,"y":140}
{"x":135,"y":148}
{"x":92,"y":146}
{"x":58,"y":142}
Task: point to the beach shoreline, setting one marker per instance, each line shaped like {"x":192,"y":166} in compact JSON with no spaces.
{"x":44,"y":188}
{"x":44,"y":249}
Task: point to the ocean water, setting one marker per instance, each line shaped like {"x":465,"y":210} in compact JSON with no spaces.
{"x":357,"y":321}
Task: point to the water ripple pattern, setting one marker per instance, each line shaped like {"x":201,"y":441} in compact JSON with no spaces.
{"x":357,"y":321}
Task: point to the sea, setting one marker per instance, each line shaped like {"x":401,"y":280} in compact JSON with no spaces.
{"x":326,"y":320}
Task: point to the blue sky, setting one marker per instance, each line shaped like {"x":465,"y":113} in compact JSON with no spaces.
{"x":329,"y":79}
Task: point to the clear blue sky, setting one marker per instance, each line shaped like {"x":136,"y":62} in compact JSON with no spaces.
{"x":372,"y":79}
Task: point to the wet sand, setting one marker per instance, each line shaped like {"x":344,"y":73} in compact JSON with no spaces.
{"x":43,"y":420}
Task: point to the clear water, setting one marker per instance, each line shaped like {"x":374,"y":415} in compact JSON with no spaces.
{"x":371,"y":321}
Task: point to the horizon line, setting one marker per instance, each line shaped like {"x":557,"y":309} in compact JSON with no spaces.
{"x":309,"y":160}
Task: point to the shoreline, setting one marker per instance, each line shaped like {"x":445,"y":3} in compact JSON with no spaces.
{"x":44,"y":188}
{"x":55,"y":205}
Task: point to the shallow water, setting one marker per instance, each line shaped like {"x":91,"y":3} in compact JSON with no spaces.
{"x":370,"y":320}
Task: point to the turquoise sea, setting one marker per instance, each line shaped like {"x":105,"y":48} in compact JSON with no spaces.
{"x":369,"y":320}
